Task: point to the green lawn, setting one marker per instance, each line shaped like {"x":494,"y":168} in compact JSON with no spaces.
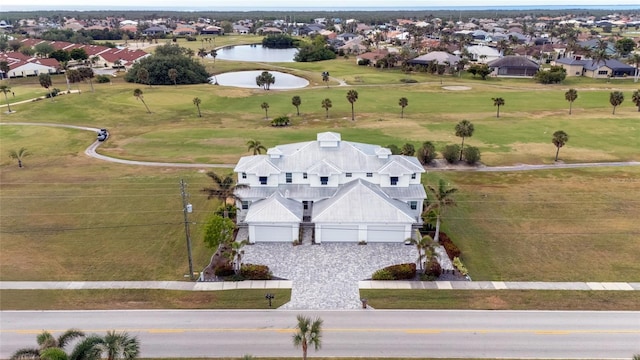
{"x":66,"y":217}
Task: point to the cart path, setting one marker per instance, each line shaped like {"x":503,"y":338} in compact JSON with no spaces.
{"x":91,"y":152}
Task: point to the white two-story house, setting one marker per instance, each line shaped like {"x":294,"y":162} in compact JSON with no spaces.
{"x":349,"y":191}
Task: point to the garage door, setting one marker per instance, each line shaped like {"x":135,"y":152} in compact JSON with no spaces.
{"x":386,"y":233}
{"x":339,"y":233}
{"x":273,"y":233}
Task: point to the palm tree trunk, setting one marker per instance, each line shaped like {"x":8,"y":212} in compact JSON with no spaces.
{"x":436,"y":238}
{"x":145,"y":105}
{"x":304,"y":350}
{"x":570,"y":104}
{"x":557,"y":152}
{"x":19,"y":163}
{"x":461,"y":148}
{"x":614,"y":111}
{"x":498,"y":113}
{"x":353,"y":116}
{"x":91,"y":83}
{"x":8,"y":105}
{"x":402,"y":113}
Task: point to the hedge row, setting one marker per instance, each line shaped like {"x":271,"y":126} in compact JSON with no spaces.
{"x":396,"y":272}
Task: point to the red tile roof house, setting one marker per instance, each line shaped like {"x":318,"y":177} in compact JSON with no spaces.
{"x":126,"y":57}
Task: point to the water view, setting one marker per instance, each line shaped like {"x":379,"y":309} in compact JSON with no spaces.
{"x":256,"y":53}
{"x":247,"y":79}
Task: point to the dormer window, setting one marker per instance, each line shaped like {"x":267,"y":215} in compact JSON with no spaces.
{"x":289,"y":178}
{"x":263,"y":180}
{"x":244,"y":175}
{"x":324,"y":180}
{"x":304,"y":175}
{"x":394,"y":180}
{"x":369,"y":174}
{"x":413,"y":176}
{"x":348,"y":174}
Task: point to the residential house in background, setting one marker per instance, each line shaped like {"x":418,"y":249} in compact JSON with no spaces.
{"x":344,"y":191}
{"x":596,"y":69}
{"x":514,"y":65}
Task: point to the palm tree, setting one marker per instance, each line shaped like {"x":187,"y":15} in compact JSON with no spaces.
{"x":296,"y":101}
{"x":223,"y":189}
{"x":441,"y":200}
{"x":4,"y":67}
{"x":464,"y":129}
{"x":325,"y":77}
{"x":498,"y":102}
{"x":265,"y":107}
{"x":636,"y":98}
{"x":571,"y":95}
{"x":423,"y":243}
{"x":635,"y":61}
{"x":616,"y":98}
{"x":256,"y":147}
{"x":236,"y":253}
{"x":75,"y":77}
{"x":197,"y":102}
{"x":119,"y":345}
{"x":352,"y":97}
{"x":214,"y":54}
{"x":5,"y":90}
{"x":138,"y":95}
{"x":45,"y":82}
{"x":403,"y":102}
{"x":308,"y":332}
{"x":87,"y":73}
{"x":560,"y":138}
{"x":173,"y":75}
{"x":47,"y":341}
{"x":19,"y":155}
{"x":326,"y":104}
{"x":202,"y":52}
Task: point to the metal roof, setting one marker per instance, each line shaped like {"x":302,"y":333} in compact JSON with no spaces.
{"x":275,"y":208}
{"x":361,"y":202}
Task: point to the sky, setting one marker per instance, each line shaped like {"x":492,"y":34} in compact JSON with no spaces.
{"x":297,"y":4}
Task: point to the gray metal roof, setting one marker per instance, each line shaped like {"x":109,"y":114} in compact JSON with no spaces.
{"x":347,"y":156}
{"x":275,"y":209}
{"x":361,"y":201}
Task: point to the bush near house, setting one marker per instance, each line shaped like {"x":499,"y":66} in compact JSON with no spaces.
{"x":452,"y":250}
{"x":280,"y":121}
{"x":396,"y":272}
{"x":255,"y":272}
{"x":451,"y":153}
{"x":471,"y":155}
{"x":433,"y":268}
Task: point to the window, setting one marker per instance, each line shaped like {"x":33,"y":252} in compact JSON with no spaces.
{"x":244,"y":175}
{"x":289,"y":178}
{"x":394,"y":180}
{"x":413,"y":176}
{"x":603,"y":72}
{"x":304,"y":175}
{"x":369,"y":174}
{"x":263,"y":180}
{"x":413,"y":205}
{"x":347,"y":174}
{"x":324,"y":180}
{"x":245,"y":205}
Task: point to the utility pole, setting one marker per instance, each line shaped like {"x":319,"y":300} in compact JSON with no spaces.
{"x":187,"y":208}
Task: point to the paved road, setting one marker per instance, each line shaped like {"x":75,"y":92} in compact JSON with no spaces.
{"x":91,"y":152}
{"x":360,"y":333}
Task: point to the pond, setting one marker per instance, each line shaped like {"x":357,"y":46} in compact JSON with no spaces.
{"x":255,"y":53}
{"x":247,"y":79}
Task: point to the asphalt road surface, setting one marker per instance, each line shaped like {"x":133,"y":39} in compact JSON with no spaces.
{"x":365,"y":333}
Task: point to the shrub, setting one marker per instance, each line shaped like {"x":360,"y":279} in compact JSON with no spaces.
{"x":402,"y":271}
{"x":231,"y":211}
{"x":54,"y":92}
{"x":427,"y":153}
{"x":554,"y":75}
{"x":452,"y":250}
{"x":191,"y":38}
{"x":394,"y":149}
{"x":460,"y":266}
{"x":408,"y":81}
{"x":433,"y":268}
{"x":102,"y":79}
{"x":280,"y":121}
{"x":255,"y":272}
{"x":234,"y":277}
{"x":427,"y":277}
{"x":364,"y":62}
{"x":382,"y":274}
{"x":224,"y":270}
{"x":471,"y":155}
{"x":451,"y":153}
